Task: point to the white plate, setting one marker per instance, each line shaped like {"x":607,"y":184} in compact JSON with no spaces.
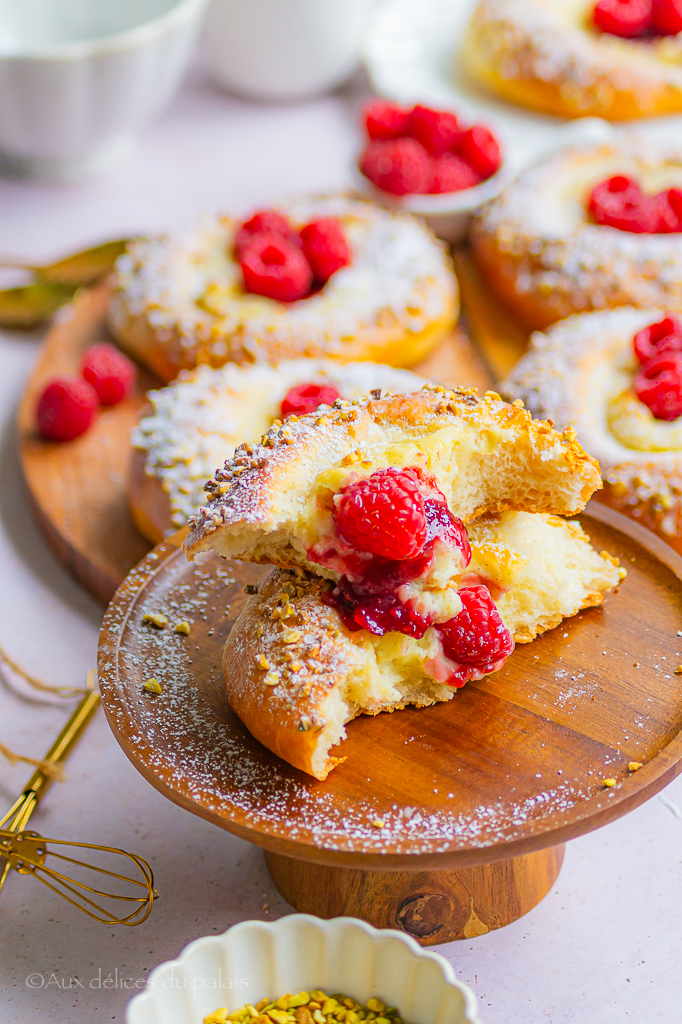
{"x":411,"y":55}
{"x":297,"y":953}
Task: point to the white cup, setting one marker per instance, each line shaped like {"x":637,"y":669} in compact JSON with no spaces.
{"x":284,"y":49}
{"x":79,"y":78}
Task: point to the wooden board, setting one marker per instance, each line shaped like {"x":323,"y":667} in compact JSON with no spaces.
{"x":79,"y":489}
{"x":513,"y":764}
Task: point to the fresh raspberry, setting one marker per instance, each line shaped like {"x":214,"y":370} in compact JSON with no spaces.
{"x":626,"y":18}
{"x":66,"y":408}
{"x":666,"y":17}
{"x":654,"y":340}
{"x":384,"y":120}
{"x":305,"y":398}
{"x":620,"y":203}
{"x":659,"y":385}
{"x":669,"y":211}
{"x":443,"y":526}
{"x":480,"y":148}
{"x":325,"y":247}
{"x":400,"y":166}
{"x":111,"y":374}
{"x":273,"y":267}
{"x":265,"y":222}
{"x":452,"y":174}
{"x":437,"y":130}
{"x":383,"y":514}
{"x":477,"y":638}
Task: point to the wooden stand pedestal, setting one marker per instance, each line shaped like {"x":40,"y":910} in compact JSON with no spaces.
{"x":432,"y":906}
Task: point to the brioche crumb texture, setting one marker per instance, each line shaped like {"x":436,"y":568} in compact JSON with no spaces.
{"x":319,"y":675}
{"x":273,"y":502}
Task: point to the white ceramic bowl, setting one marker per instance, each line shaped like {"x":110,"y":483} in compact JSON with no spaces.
{"x":297,"y":953}
{"x":79,"y":78}
{"x":449,"y":214}
{"x":284,"y":49}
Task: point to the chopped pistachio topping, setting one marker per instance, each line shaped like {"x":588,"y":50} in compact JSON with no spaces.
{"x":160,"y":621}
{"x":314,"y":1007}
{"x":152,"y":686}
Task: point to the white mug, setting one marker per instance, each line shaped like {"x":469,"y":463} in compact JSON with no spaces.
{"x":284,"y":49}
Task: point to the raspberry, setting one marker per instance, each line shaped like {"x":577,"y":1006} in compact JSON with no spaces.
{"x":265,"y":222}
{"x":654,"y":340}
{"x":620,"y":203}
{"x":307,"y":398}
{"x":400,"y":166}
{"x":666,"y":18}
{"x":476,"y":638}
{"x":442,"y":525}
{"x":480,"y":148}
{"x":384,"y":120}
{"x":437,"y":130}
{"x":273,"y":267}
{"x":626,"y":18}
{"x":111,"y":374}
{"x":383,"y":514}
{"x":325,"y":247}
{"x":66,"y":408}
{"x":659,"y":385}
{"x":452,"y":174}
{"x":669,"y":210}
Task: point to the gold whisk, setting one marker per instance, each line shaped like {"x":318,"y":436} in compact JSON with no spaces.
{"x":27,"y":852}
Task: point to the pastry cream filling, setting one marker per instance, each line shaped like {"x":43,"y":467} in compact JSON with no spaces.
{"x":636,"y":427}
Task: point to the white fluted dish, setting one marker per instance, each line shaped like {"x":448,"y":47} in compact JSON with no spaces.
{"x":299,"y":953}
{"x":79,"y":80}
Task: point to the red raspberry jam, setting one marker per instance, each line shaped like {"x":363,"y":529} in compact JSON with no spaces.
{"x":389,"y":528}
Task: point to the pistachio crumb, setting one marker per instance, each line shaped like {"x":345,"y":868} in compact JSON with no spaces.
{"x":152,"y":686}
{"x":262,"y":662}
{"x":182,"y":627}
{"x":634,"y":766}
{"x":609,"y":783}
{"x":160,"y":621}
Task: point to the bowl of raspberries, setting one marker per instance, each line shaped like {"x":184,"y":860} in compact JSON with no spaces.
{"x":429,"y":162}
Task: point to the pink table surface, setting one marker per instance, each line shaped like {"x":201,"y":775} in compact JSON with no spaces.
{"x":604,"y":947}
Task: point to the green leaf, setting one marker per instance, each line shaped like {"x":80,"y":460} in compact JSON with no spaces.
{"x":33,"y":304}
{"x":83,"y":267}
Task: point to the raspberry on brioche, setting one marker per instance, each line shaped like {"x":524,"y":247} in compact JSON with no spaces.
{"x":616,"y":377}
{"x":417,"y":538}
{"x":617,"y":59}
{"x":326,"y":277}
{"x":196,"y":422}
{"x":587,"y":228}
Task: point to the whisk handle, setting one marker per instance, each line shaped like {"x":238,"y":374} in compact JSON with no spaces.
{"x":61,"y":748}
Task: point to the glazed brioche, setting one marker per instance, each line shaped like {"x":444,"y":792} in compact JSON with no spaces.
{"x":296,"y":676}
{"x":179,"y":300}
{"x":197,"y":421}
{"x":545,"y":55}
{"x":580,"y":373}
{"x":272,"y":501}
{"x":540,"y":253}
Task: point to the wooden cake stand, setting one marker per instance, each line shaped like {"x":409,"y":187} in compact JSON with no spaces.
{"x":79,"y":489}
{"x":447,"y":821}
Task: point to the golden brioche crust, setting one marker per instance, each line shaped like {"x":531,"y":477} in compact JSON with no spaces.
{"x":542,"y":55}
{"x":574,"y":375}
{"x":179,"y":301}
{"x":263,"y":500}
{"x":196,"y":422}
{"x":545,"y":260}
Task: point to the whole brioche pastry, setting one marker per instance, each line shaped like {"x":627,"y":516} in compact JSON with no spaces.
{"x":181,"y":300}
{"x":552,"y":56}
{"x":417,"y":538}
{"x":542,"y":252}
{"x":197,"y":421}
{"x":616,"y":377}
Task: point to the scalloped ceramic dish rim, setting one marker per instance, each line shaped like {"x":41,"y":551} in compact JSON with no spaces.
{"x":126,"y":39}
{"x":375,"y":934}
